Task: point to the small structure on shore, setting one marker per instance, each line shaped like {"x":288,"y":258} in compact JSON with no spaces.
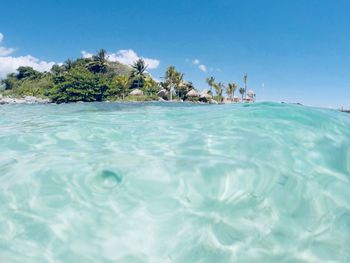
{"x":205,"y":96}
{"x":192,"y":94}
{"x":250,"y":96}
{"x":227,"y":100}
{"x":136,"y":92}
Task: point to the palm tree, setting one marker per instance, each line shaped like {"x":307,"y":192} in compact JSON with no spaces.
{"x":230,"y":90}
{"x":218,"y":88}
{"x":170,"y":74}
{"x":245,"y":79}
{"x":99,"y":62}
{"x":242,"y":91}
{"x":150,"y":87}
{"x":174,"y":79}
{"x":139,"y":71}
{"x":211,"y":82}
{"x":124,"y":83}
{"x":179,"y":84}
{"x":68,"y":64}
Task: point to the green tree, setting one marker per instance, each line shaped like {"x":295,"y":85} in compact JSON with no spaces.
{"x":27,"y":72}
{"x":175,"y":79}
{"x":10,"y":81}
{"x":170,"y":74}
{"x":230,"y":90}
{"x":139,"y":71}
{"x":211,"y":82}
{"x":218,"y":89}
{"x":150,"y":87}
{"x":124,"y":83}
{"x":179,"y":84}
{"x":242,"y":91}
{"x":68,"y":64}
{"x":245,"y":80}
{"x":57,"y":69}
{"x":79,"y":84}
{"x":98,"y":63}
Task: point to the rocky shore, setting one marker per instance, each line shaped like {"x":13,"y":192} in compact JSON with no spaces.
{"x":24,"y":100}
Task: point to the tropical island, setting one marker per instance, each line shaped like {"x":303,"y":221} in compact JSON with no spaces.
{"x":98,"y":79}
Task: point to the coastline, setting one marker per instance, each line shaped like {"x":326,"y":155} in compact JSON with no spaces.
{"x":4,"y":100}
{"x":24,"y":100}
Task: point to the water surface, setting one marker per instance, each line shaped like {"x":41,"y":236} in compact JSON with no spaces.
{"x":108,"y":182}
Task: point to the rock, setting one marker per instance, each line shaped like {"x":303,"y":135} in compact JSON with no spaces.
{"x":163,"y":93}
{"x":211,"y":101}
{"x":25,"y":100}
{"x":136,"y":92}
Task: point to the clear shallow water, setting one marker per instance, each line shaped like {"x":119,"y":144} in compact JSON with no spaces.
{"x":174,"y":183}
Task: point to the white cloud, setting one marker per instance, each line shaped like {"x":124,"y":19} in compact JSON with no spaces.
{"x":86,"y":54}
{"x":10,"y":64}
{"x":128,"y":57}
{"x":202,"y":68}
{"x":196,"y":61}
{"x":198,"y":64}
{"x":5,"y":51}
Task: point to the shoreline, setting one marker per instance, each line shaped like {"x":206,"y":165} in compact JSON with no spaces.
{"x":5,"y":100}
{"x":23,"y":100}
{"x":32,"y":100}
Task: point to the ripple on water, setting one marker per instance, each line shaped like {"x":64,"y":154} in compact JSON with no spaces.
{"x":106,"y":182}
{"x":109,"y":179}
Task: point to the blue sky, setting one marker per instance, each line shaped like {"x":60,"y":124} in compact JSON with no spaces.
{"x":300,"y":49}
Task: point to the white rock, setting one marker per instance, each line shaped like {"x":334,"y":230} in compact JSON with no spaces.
{"x":136,"y":92}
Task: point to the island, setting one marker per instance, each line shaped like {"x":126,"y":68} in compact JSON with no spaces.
{"x":98,"y":79}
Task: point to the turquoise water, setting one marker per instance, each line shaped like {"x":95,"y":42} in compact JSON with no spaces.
{"x":105,"y":182}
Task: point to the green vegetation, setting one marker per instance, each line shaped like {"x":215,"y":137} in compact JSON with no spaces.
{"x":98,"y":79}
{"x":230,"y":90}
{"x":84,"y":79}
{"x":242,"y":91}
{"x":138,"y":73}
{"x":175,"y":84}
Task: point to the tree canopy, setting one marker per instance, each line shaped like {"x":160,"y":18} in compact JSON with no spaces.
{"x":83,"y":79}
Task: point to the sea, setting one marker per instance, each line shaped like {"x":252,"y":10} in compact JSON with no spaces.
{"x":174,"y":182}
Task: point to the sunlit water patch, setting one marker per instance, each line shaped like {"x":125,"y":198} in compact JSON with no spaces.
{"x":153,"y":182}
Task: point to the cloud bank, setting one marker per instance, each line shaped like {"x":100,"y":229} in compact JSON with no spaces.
{"x":9,"y":64}
{"x":3,"y":50}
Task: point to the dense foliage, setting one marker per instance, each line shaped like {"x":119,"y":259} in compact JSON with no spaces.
{"x":84,"y":79}
{"x":99,"y":79}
